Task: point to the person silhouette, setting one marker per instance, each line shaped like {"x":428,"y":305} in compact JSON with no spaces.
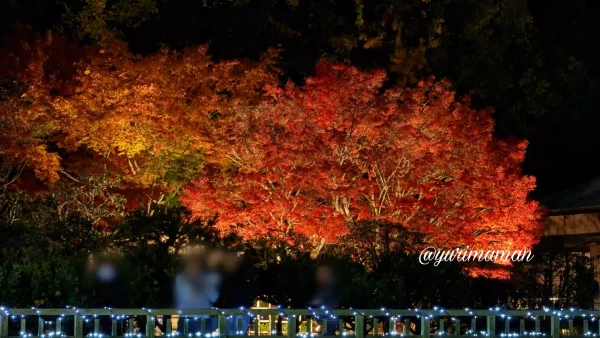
{"x":196,"y":288}
{"x":326,"y":294}
{"x":109,"y":282}
{"x":239,"y":289}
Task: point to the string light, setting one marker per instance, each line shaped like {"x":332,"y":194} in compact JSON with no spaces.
{"x":54,"y":334}
{"x":431,"y":314}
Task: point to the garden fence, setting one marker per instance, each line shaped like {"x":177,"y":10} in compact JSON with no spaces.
{"x":423,"y":323}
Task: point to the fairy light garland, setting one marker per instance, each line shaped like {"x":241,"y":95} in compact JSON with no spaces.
{"x":431,"y":314}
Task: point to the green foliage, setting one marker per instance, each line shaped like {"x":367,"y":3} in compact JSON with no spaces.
{"x":180,"y":169}
{"x":47,"y":264}
{"x":36,"y":277}
{"x":568,"y":277}
{"x":412,"y":284}
{"x":94,"y":19}
{"x":44,"y":266}
{"x":150,"y":245}
{"x":397,"y":281}
{"x":132,"y":13}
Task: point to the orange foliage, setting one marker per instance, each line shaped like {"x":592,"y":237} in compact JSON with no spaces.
{"x":269,"y":162}
{"x":104,"y":110}
{"x":312,"y":160}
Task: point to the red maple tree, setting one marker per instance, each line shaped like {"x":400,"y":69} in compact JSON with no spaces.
{"x":311,"y":161}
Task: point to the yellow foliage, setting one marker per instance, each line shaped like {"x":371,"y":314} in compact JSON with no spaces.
{"x":140,"y":119}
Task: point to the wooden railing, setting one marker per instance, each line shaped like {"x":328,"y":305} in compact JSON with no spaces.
{"x":149,"y":323}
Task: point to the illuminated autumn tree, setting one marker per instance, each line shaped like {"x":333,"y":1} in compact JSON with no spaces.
{"x":146,"y":122}
{"x":341,"y":150}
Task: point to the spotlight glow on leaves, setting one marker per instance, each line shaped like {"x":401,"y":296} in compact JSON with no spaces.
{"x":299,"y":164}
{"x":340,"y":149}
{"x":144,"y":120}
